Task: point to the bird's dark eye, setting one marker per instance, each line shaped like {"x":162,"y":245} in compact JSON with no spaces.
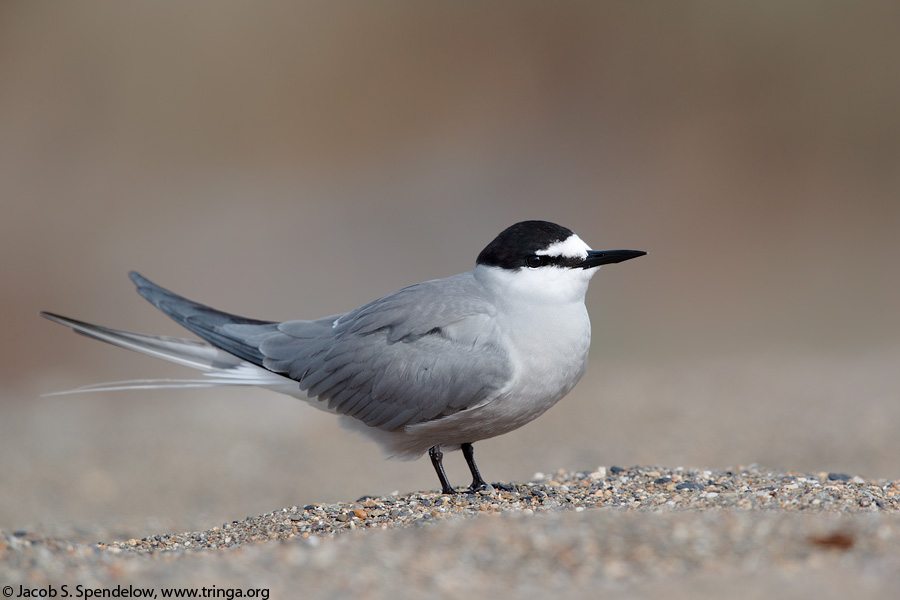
{"x":534,"y":261}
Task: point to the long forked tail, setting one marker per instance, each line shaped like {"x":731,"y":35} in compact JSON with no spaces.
{"x":189,"y":353}
{"x":219,"y":367}
{"x":228,"y":359}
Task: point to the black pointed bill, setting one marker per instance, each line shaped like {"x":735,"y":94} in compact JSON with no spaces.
{"x":595,"y":258}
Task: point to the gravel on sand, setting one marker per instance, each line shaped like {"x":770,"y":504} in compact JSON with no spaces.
{"x":644,"y":530}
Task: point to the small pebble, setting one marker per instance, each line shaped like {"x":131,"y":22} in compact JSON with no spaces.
{"x":688,"y":486}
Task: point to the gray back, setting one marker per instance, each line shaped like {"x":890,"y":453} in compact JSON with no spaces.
{"x":423,"y":352}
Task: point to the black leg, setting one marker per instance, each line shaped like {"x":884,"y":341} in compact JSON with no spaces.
{"x":478,"y":483}
{"x":436,"y":457}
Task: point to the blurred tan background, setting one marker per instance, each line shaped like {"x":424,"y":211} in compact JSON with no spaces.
{"x":292,"y":161}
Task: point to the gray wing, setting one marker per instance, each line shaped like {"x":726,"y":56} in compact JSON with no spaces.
{"x":426,"y":351}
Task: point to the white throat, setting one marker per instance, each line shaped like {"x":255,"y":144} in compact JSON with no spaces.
{"x":542,"y":286}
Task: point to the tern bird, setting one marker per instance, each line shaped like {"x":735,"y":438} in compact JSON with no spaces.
{"x":434,"y":366}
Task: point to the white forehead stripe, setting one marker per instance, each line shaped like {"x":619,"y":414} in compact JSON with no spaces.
{"x":572,"y":246}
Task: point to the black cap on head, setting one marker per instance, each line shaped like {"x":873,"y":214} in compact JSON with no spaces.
{"x":517,"y":243}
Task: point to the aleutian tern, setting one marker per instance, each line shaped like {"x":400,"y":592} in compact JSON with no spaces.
{"x":434,"y":366}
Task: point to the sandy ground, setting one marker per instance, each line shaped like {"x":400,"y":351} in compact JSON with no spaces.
{"x":634,"y":532}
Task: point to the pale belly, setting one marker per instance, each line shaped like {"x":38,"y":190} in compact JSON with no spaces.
{"x":550,"y":360}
